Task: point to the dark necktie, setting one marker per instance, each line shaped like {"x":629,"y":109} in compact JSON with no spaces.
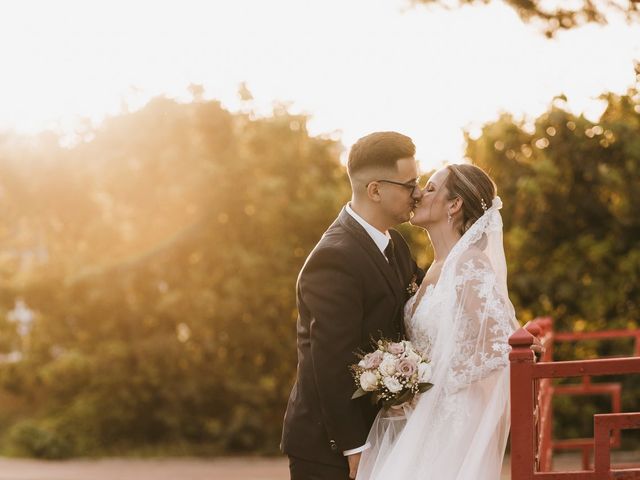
{"x":390,"y":253}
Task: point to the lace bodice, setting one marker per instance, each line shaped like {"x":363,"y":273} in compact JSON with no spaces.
{"x":420,"y":333}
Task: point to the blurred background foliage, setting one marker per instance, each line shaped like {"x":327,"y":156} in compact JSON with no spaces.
{"x":148,"y":271}
{"x":552,"y":17}
{"x":572,"y":233}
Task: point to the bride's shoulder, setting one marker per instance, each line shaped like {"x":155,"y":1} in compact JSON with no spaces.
{"x":473,"y":266}
{"x":473,"y":255}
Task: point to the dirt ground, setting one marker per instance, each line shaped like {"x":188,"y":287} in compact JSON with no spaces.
{"x":171,"y":469}
{"x":147,"y":469}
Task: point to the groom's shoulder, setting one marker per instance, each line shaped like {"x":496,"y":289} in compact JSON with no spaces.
{"x":398,"y":240}
{"x":337,"y":240}
{"x":336,"y":245}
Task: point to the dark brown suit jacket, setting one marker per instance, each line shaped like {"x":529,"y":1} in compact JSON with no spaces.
{"x":347,"y":293}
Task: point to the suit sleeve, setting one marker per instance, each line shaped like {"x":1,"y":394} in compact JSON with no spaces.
{"x":332,"y":294}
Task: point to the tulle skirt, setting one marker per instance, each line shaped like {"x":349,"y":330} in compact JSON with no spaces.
{"x":448,"y":435}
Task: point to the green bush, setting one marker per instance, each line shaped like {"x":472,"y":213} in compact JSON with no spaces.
{"x":28,"y":438}
{"x":165,"y":312}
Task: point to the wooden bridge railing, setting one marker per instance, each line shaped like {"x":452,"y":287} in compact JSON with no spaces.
{"x":532,"y":391}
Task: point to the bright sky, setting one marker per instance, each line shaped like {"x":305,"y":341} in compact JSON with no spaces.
{"x":355,"y":65}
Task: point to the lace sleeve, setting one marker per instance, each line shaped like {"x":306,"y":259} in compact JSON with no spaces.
{"x":484,"y":321}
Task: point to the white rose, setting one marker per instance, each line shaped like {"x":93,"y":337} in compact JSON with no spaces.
{"x":392,"y":384}
{"x":368,"y":381}
{"x":424,"y":372}
{"x":388,"y":366}
{"x":413,"y":355}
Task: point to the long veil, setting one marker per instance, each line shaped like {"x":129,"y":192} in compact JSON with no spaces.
{"x":459,"y":428}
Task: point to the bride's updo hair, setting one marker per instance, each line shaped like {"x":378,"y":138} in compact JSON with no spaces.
{"x":474,"y":187}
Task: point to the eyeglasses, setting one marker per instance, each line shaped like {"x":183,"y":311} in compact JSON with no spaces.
{"x":412,"y":185}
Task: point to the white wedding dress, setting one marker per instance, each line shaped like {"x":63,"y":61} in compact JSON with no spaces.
{"x":458,"y":429}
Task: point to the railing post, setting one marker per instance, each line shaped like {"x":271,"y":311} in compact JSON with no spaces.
{"x":522,"y":360}
{"x":601,"y":454}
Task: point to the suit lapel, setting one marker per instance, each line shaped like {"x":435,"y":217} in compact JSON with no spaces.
{"x":354,"y":228}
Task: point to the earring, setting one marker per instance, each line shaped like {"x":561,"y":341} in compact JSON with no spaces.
{"x":449,"y":217}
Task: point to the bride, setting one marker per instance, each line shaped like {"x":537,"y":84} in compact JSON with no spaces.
{"x":461,"y":318}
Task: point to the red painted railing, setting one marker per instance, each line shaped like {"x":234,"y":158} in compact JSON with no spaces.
{"x":532,"y":391}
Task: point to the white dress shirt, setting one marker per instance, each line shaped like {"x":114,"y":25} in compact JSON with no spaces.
{"x":381,"y":240}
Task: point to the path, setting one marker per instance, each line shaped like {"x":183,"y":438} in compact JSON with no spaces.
{"x":234,"y":468}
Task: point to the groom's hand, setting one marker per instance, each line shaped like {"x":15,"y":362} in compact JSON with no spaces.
{"x":353,"y":460}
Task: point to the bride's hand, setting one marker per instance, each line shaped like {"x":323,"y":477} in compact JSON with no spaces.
{"x":400,"y":410}
{"x":354,"y":461}
{"x":396,"y":410}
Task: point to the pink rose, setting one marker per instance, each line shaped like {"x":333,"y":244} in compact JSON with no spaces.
{"x":373,"y":360}
{"x":407,"y":367}
{"x":396,"y":348}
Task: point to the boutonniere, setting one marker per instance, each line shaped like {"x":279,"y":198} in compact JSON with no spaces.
{"x":413,"y":286}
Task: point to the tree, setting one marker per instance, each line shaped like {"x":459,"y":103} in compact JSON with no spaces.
{"x":572,"y":231}
{"x":571,"y":195}
{"x":555,"y":16}
{"x":165,"y":310}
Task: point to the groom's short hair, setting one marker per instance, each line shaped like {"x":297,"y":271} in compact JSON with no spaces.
{"x":379,"y":149}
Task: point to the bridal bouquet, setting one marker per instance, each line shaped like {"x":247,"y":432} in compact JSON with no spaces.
{"x":394,"y":373}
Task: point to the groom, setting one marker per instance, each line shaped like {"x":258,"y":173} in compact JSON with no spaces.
{"x":352,"y":287}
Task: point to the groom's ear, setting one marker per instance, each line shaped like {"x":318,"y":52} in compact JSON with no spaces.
{"x":373,"y":191}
